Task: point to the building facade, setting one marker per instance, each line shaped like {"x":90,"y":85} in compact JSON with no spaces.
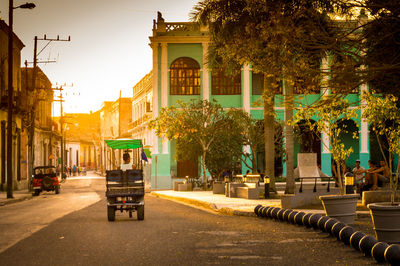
{"x":115,"y":121}
{"x":181,"y":72}
{"x":20,"y":107}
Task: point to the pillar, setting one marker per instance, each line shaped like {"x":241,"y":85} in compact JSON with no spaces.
{"x":246,"y":88}
{"x":206,"y":73}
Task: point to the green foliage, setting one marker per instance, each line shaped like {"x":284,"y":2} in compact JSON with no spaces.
{"x":204,"y":129}
{"x":326,"y":115}
{"x":384,"y":115}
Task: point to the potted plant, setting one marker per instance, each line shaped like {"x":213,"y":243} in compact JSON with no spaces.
{"x":326,"y":114}
{"x":383,"y":114}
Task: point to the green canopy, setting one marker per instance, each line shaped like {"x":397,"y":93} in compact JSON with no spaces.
{"x":124,"y":144}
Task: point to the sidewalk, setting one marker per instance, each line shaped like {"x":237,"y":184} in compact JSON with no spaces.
{"x":19,"y":195}
{"x":230,"y":206}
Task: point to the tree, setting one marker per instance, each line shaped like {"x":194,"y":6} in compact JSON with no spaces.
{"x":196,"y":122}
{"x":384,"y":115}
{"x":327,"y":113}
{"x":251,"y":135}
{"x":281,"y":39}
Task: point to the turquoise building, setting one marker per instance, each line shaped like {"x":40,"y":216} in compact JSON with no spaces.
{"x":180,"y":72}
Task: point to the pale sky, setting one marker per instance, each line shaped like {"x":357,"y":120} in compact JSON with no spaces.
{"x":109,"y":48}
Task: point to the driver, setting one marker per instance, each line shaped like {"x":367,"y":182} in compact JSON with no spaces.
{"x":126,"y":165}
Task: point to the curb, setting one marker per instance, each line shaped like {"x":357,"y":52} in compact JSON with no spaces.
{"x":207,"y":205}
{"x":224,"y":210}
{"x":15,"y":200}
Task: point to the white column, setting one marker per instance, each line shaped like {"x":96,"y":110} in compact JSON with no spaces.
{"x":246,"y":88}
{"x":155,"y":95}
{"x":325,"y":76}
{"x":164,"y":75}
{"x":325,"y":91}
{"x":165,"y":143}
{"x":325,"y":143}
{"x":206,"y":80}
{"x":364,"y":125}
{"x":164,"y":86}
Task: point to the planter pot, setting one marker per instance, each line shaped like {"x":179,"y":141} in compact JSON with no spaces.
{"x":386,"y":220}
{"x":341,"y":207}
{"x":218,"y":188}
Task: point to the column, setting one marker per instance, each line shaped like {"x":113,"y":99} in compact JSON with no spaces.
{"x":246,"y":88}
{"x":206,"y":77}
{"x":364,"y":139}
{"x":164,"y":86}
{"x":155,"y":95}
{"x":164,"y":74}
{"x":326,"y":157}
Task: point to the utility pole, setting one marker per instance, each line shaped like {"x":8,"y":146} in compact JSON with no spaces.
{"x":62,"y":148}
{"x":10,"y":99}
{"x":34,"y":73}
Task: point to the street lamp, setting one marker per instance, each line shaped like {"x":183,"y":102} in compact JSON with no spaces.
{"x":10,"y":93}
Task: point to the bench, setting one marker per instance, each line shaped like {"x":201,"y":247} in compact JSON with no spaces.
{"x":379,"y":195}
{"x":247,"y":187}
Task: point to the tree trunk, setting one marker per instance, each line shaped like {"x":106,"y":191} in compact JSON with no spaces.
{"x":290,"y":182}
{"x":203,"y":162}
{"x":269,"y":131}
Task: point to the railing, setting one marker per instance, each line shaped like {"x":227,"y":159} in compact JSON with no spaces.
{"x":177,"y":27}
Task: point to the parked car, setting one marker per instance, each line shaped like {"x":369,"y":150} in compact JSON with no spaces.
{"x":45,"y":178}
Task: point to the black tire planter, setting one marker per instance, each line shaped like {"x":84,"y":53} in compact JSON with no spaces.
{"x":286,"y":215}
{"x":257,"y":208}
{"x":298,"y":218}
{"x":392,"y":254}
{"x":279,"y":215}
{"x":269,"y":212}
{"x":355,"y":239}
{"x":378,"y":251}
{"x":366,"y":244}
{"x":263,"y":212}
{"x":274,"y":213}
{"x":345,"y":234}
{"x":329,"y":224}
{"x":306,"y":220}
{"x":291,"y":217}
{"x":322,"y":221}
{"x":336,"y":229}
{"x":313,"y":220}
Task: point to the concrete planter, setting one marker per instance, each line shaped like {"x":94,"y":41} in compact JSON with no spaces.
{"x":386,"y":220}
{"x":218,"y":188}
{"x":341,"y":207}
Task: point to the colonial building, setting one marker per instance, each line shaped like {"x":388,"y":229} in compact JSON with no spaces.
{"x":82,"y":140}
{"x":181,"y":72}
{"x":115,"y":122}
{"x":46,"y":140}
{"x":20,"y":107}
{"x":142,"y":111}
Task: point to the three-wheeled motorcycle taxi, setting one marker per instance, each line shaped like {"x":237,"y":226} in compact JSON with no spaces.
{"x":125,"y":189}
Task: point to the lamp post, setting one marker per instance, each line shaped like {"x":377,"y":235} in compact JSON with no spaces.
{"x":10,"y":94}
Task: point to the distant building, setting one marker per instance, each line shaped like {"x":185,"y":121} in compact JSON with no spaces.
{"x":115,"y":120}
{"x":142,"y":107}
{"x":82,"y":140}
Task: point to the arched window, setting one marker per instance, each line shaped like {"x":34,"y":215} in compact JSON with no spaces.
{"x":184,"y":77}
{"x":225,"y":85}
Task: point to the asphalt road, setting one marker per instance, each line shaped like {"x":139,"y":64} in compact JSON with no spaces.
{"x":72,"y":229}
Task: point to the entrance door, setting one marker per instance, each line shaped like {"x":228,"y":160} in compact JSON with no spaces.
{"x":187,"y":168}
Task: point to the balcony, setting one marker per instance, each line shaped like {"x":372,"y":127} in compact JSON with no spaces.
{"x":20,"y":102}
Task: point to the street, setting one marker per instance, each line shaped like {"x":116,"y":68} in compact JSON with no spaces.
{"x":72,"y":229}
